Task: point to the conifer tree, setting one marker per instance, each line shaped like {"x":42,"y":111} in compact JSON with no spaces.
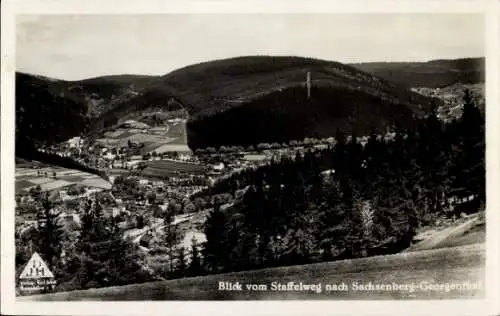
{"x":181,"y":264}
{"x":195,"y":263}
{"x":299,"y":242}
{"x":215,"y":248}
{"x":50,"y":234}
{"x":339,"y":152}
{"x":171,"y":238}
{"x":472,"y":149}
{"x":105,"y":259}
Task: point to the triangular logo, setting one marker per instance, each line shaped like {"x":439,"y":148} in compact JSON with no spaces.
{"x":36,"y":268}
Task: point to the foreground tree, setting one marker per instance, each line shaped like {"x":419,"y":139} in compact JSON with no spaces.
{"x":102,"y":257}
{"x":195,"y":267}
{"x":50,"y":233}
{"x":215,"y":248}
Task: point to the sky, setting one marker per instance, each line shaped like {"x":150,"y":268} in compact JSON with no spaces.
{"x":74,"y":47}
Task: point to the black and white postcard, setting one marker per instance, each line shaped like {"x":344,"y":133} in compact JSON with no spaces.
{"x":192,"y":154}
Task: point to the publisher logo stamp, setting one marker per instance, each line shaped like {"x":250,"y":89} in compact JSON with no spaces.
{"x":36,"y":275}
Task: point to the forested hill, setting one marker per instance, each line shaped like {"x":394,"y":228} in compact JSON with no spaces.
{"x":211,"y":87}
{"x":256,"y":99}
{"x":270,"y":89}
{"x":373,"y":203}
{"x":288,"y":114}
{"x":432,"y":74}
{"x":52,"y":110}
{"x":46,"y":112}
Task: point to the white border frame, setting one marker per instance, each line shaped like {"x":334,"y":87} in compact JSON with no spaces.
{"x":491,"y":9}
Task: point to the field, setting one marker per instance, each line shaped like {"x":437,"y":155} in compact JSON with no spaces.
{"x":170,"y":167}
{"x":135,"y":137}
{"x":158,"y":139}
{"x":171,"y":147}
{"x":27,"y":178}
{"x":458,"y":265}
{"x":254,"y":157}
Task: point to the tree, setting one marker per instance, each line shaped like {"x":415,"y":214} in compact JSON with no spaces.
{"x":104,"y":258}
{"x":181,"y":264}
{"x":171,"y":237}
{"x":263,"y":146}
{"x":50,"y":234}
{"x":340,"y":153}
{"x":299,"y":242}
{"x":36,"y":192}
{"x":72,"y":191}
{"x":331,"y":229}
{"x":200,"y":151}
{"x":215,"y":248}
{"x":140,"y":221}
{"x":195,"y":264}
{"x":470,"y":154}
{"x":200,"y":203}
{"x":151,"y":197}
{"x":155,"y":211}
{"x":190,"y":208}
{"x":367,"y":214}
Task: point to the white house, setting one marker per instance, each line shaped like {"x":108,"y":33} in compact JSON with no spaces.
{"x":75,"y":142}
{"x":218,"y":167}
{"x":328,"y":172}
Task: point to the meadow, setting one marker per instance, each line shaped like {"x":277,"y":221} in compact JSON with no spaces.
{"x":170,"y":167}
{"x":27,"y":178}
{"x":448,"y":265}
{"x":159,"y":140}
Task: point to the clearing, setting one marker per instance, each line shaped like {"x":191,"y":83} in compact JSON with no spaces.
{"x":465,"y":231}
{"x":27,"y":178}
{"x":171,"y":167}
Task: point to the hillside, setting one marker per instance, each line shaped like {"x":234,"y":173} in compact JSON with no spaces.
{"x":432,"y":74}
{"x":46,"y":112}
{"x":214,"y":86}
{"x":51,"y":110}
{"x":284,"y":115}
{"x":261,"y":85}
{"x":448,"y":265}
{"x":269,"y":90}
{"x":102,"y":93}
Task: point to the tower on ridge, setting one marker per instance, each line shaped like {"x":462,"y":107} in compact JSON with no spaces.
{"x":308,"y":84}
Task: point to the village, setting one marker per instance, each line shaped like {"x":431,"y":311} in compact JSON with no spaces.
{"x":140,"y":180}
{"x":146,"y":173}
{"x":452,"y":98}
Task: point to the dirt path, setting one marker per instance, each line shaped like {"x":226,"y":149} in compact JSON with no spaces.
{"x":439,"y":237}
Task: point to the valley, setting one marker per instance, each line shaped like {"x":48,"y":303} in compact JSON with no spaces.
{"x":235,"y":165}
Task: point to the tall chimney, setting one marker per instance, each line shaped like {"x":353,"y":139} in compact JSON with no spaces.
{"x":308,"y":84}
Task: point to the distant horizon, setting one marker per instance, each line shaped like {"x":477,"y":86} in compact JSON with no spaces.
{"x":76,"y":47}
{"x":234,"y":57}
